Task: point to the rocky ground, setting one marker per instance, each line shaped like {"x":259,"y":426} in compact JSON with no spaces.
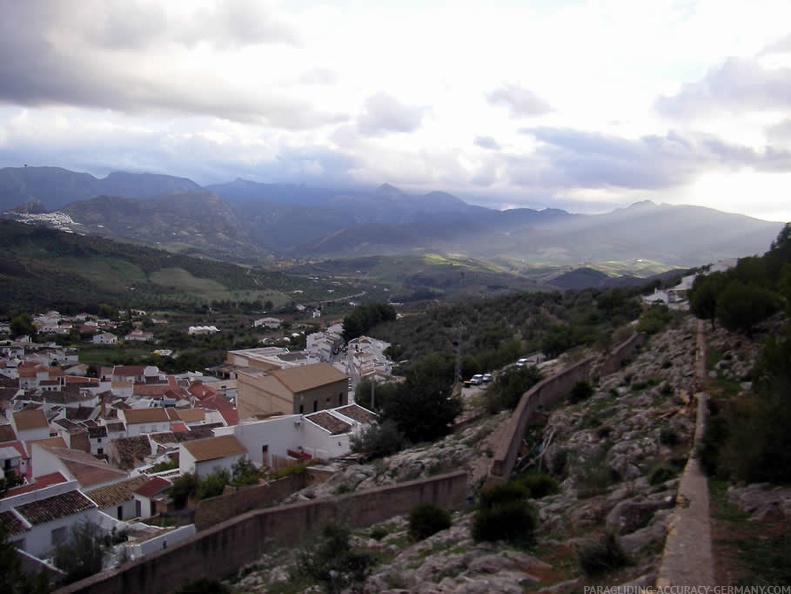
{"x":616,"y":458}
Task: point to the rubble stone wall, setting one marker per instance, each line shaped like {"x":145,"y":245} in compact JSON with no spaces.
{"x":223,"y":549}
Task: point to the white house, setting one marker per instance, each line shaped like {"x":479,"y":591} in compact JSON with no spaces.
{"x":105,"y":338}
{"x":30,"y":424}
{"x":38,"y":521}
{"x":271,"y":323}
{"x":151,"y":497}
{"x":204,"y":456}
{"x":140,"y":421}
{"x":118,"y":499}
{"x":324,"y":435}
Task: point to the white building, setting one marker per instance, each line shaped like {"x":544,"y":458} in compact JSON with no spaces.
{"x":204,"y":456}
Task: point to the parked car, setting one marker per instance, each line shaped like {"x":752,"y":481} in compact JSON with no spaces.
{"x":487,"y":377}
{"x":477,"y":379}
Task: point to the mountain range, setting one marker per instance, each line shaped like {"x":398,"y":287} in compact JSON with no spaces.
{"x":250,"y":222}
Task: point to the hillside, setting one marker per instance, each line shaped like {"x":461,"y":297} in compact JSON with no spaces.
{"x":44,"y":268}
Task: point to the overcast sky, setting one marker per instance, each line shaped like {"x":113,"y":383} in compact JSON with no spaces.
{"x":586,"y":106}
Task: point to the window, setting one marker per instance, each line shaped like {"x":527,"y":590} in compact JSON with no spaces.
{"x":315,"y":405}
{"x":100,"y":452}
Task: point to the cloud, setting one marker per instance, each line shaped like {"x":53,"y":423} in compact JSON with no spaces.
{"x":738,"y":85}
{"x":487,"y":142}
{"x":131,"y":57}
{"x":567,"y":159}
{"x":383,"y":114}
{"x":520,"y":101}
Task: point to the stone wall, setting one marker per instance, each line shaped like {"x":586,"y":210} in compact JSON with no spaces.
{"x":219,"y":509}
{"x":543,"y":395}
{"x":623,"y":352}
{"x":223,"y":549}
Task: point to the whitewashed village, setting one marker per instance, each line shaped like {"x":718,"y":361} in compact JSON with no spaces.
{"x":106,"y":450}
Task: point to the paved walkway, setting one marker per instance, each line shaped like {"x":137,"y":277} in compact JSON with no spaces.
{"x":688,"y":559}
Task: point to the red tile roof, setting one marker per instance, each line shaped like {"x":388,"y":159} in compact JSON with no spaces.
{"x":153,"y":487}
{"x":30,"y":419}
{"x":7,"y":433}
{"x":12,"y":524}
{"x":45,"y":480}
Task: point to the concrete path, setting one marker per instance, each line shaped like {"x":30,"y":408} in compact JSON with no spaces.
{"x":687,"y":559}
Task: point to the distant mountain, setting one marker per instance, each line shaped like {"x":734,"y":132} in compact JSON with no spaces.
{"x":245,"y":221}
{"x":192,"y":223}
{"x":54,"y":186}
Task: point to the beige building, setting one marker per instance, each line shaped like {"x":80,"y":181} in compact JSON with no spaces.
{"x":297,"y":390}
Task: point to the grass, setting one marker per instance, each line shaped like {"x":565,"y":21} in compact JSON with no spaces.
{"x":748,"y":552}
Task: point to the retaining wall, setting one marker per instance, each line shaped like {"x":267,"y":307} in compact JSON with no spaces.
{"x":223,"y":549}
{"x":543,"y":395}
{"x":546,"y":394}
{"x":213,"y":511}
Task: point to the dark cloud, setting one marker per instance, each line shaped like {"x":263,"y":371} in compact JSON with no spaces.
{"x":738,"y":85}
{"x":576,"y":159}
{"x":521,"y":102}
{"x":383,"y":114}
{"x":51,"y":57}
{"x":487,"y":142}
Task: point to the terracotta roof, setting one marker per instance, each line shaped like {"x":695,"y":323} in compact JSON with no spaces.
{"x":45,"y":480}
{"x":56,"y":442}
{"x":7,"y":433}
{"x":128,"y":370}
{"x":179,"y":427}
{"x":135,"y":416}
{"x":357,"y":412}
{"x":153,"y":487}
{"x":67,"y":424}
{"x":152,"y":389}
{"x":30,"y":419}
{"x":308,"y":377}
{"x":231,"y":416}
{"x":116,"y":427}
{"x":164,"y":437}
{"x":191,"y":415}
{"x":12,"y":524}
{"x":214,"y":448}
{"x":86,"y":470}
{"x":53,"y":508}
{"x":326,"y":421}
{"x":131,"y":450}
{"x":117,"y":492}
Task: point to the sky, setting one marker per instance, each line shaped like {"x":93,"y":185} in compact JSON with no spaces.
{"x":587,"y":106}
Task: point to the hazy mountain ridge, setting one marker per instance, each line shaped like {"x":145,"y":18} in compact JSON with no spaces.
{"x":246,"y":221}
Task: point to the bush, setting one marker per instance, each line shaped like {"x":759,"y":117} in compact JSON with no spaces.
{"x":332,"y":562}
{"x":427,"y":519}
{"x":83,"y":554}
{"x":378,"y":441}
{"x":504,"y":514}
{"x":660,"y":474}
{"x":580,"y":392}
{"x":539,"y":484}
{"x":602,"y":556}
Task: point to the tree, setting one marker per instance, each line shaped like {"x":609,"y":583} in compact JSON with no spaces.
{"x":704,"y":295}
{"x":378,"y":440}
{"x":22,"y":325}
{"x":509,"y":386}
{"x":13,"y":579}
{"x":423,"y":407}
{"x":365,"y":317}
{"x":741,"y":306}
{"x":83,"y":555}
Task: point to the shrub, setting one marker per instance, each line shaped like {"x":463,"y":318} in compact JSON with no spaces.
{"x":602,"y":556}
{"x":661,"y":473}
{"x":504,"y":514}
{"x":378,"y":441}
{"x":668,"y":436}
{"x":580,"y":392}
{"x":540,"y":484}
{"x":332,"y":562}
{"x":427,"y":519}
